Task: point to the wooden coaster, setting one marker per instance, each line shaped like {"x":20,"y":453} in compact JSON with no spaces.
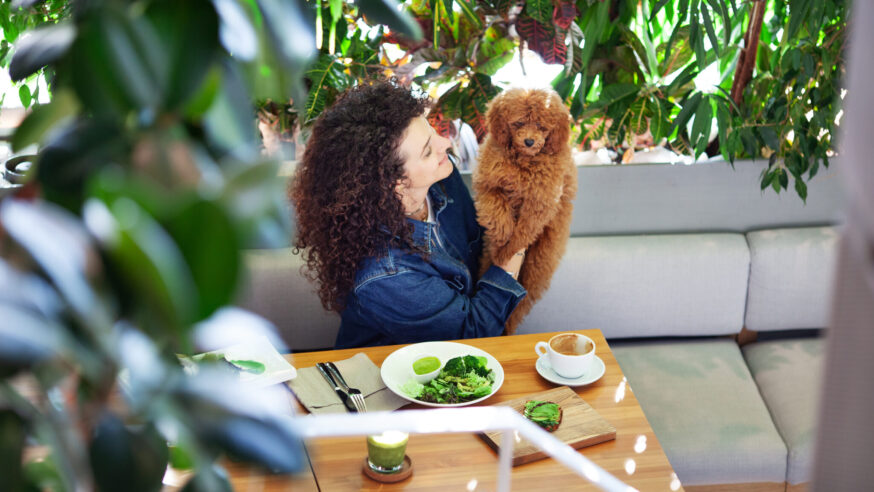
{"x":405,"y":471}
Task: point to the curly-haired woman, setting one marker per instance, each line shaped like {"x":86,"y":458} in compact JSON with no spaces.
{"x":388,"y":230}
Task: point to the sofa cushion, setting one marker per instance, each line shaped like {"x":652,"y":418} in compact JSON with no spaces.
{"x":791,"y":274}
{"x":705,"y":410}
{"x":275,"y":288}
{"x":646,"y":286}
{"x":789,"y":373}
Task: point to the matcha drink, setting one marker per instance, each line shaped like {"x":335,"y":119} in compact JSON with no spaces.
{"x":385,"y":452}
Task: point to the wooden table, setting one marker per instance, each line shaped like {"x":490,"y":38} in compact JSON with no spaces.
{"x":464,"y":462}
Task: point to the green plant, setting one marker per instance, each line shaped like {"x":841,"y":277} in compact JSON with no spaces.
{"x":756,"y":78}
{"x":18,"y":17}
{"x":151,"y":181}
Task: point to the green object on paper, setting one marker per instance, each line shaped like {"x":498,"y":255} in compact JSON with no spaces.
{"x":252,"y":366}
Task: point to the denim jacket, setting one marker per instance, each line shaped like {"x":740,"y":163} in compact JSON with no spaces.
{"x":405,"y":297}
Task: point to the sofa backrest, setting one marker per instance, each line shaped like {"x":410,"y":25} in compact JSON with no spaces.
{"x":703,"y":197}
{"x":647,"y":285}
{"x":617,"y":277}
{"x":274,"y":287}
{"x":791,"y":278}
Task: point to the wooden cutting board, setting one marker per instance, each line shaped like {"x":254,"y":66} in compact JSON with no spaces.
{"x":580,"y":425}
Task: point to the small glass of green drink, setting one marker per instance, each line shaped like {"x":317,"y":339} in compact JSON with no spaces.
{"x":386,"y":451}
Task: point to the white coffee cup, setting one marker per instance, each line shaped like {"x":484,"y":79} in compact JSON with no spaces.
{"x":569,"y":354}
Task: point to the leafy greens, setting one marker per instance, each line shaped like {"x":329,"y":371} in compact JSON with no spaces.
{"x":462,"y":379}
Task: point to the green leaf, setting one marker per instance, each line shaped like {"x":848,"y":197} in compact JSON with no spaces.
{"x":801,"y":189}
{"x":129,"y":458}
{"x":655,"y":10}
{"x":290,"y":29}
{"x":467,"y":7}
{"x":43,"y":46}
{"x":228,"y":122}
{"x":767,"y":177}
{"x":326,"y":76}
{"x":28,"y":339}
{"x":596,"y":21}
{"x":495,"y":51}
{"x":58,"y":243}
{"x":770,"y":137}
{"x":711,"y":32}
{"x":540,"y":10}
{"x":700,"y":135}
{"x":206,"y":237}
{"x":688,"y":109}
{"x":386,"y":12}
{"x":43,"y":118}
{"x":188,"y":33}
{"x":798,"y":10}
{"x":147,"y":260}
{"x":613,"y":93}
{"x":658,"y":124}
{"x":775,"y":181}
{"x":24,"y":95}
{"x":637,"y":120}
{"x":236,"y":31}
{"x":723,"y":120}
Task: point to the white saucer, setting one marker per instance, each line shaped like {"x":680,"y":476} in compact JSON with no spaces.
{"x":594,"y":374}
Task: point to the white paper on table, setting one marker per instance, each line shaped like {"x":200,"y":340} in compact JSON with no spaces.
{"x":259,"y":349}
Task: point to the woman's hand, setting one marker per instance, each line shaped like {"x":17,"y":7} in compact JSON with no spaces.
{"x":514,"y":264}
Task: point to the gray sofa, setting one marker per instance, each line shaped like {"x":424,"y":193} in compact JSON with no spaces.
{"x":673,"y":264}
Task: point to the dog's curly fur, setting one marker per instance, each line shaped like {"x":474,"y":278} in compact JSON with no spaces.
{"x":525,"y":183}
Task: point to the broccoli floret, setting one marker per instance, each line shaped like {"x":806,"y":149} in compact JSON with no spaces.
{"x":476,"y":363}
{"x":454,"y":367}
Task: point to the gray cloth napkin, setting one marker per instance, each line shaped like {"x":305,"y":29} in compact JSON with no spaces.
{"x":360,"y":372}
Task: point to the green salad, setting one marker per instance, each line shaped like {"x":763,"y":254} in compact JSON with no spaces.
{"x":462,"y":379}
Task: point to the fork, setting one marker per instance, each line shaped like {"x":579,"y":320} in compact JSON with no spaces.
{"x":354,"y":394}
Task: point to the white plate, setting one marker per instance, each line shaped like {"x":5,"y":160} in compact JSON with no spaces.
{"x":397,"y":368}
{"x":594,"y":374}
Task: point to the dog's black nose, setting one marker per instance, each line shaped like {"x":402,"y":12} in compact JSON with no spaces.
{"x":529,"y":142}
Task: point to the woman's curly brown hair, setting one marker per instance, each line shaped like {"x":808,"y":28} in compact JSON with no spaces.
{"x":343,"y":191}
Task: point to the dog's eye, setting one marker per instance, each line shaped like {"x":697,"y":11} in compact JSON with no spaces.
{"x":518,"y":124}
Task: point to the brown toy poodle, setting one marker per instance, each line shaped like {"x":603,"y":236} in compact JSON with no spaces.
{"x":525,"y":184}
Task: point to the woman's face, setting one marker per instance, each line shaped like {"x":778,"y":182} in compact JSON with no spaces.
{"x":424,"y":155}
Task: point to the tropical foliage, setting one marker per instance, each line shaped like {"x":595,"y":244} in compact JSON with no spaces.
{"x":738,"y":78}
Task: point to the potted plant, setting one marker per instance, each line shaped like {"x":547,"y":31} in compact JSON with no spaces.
{"x":151,"y":182}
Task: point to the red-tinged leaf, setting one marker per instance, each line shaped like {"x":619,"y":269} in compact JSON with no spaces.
{"x":545,"y":41}
{"x":564,"y":14}
{"x":473,"y":108}
{"x":440,"y":122}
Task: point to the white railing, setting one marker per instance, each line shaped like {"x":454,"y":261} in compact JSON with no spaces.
{"x":461,"y":420}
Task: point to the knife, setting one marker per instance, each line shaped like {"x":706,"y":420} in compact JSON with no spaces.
{"x":344,"y":397}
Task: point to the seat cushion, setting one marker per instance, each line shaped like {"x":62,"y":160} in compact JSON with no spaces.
{"x":788,"y":374}
{"x":705,"y":410}
{"x":647,"y":286}
{"x":791,"y":273}
{"x":275,"y":288}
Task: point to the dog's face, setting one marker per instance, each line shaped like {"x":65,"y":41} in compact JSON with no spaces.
{"x":529,"y":121}
{"x":527,"y":136}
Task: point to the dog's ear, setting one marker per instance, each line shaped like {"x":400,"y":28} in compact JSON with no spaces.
{"x":558,"y":120}
{"x":497,"y":120}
